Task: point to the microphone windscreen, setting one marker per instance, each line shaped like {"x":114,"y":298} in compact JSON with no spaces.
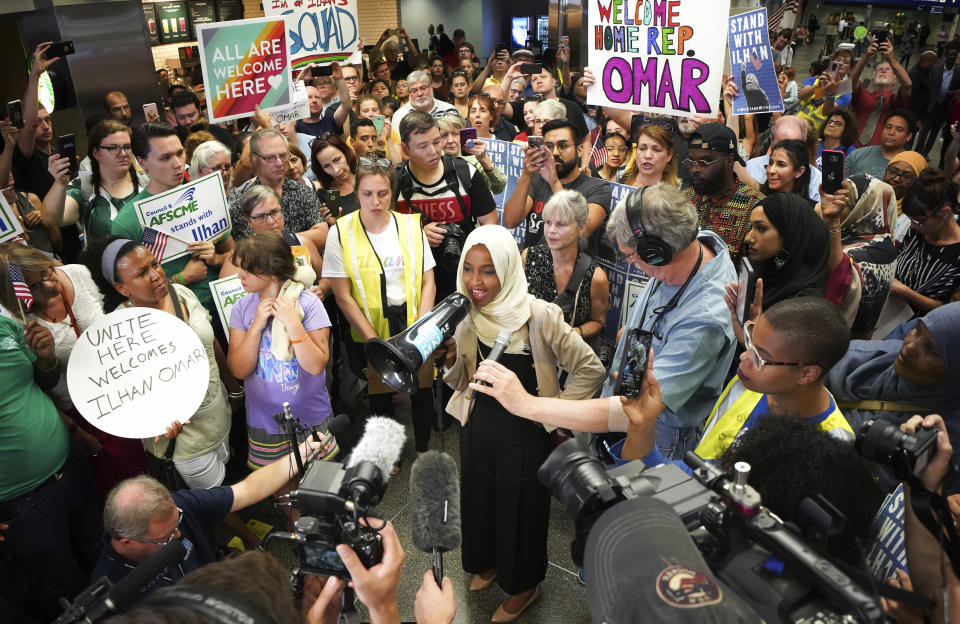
{"x":127,"y":589}
{"x":381,"y":444}
{"x":337,"y":424}
{"x":435,"y":501}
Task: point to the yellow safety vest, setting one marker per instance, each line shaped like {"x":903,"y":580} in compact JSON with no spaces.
{"x":731,"y":412}
{"x":368,"y":285}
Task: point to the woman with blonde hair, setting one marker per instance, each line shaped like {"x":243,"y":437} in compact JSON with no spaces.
{"x":450,"y":127}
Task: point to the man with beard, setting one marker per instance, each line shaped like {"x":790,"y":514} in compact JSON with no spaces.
{"x":421,"y":99}
{"x":551,"y":169}
{"x":723,"y":202}
{"x":116,"y":106}
{"x":872,"y":106}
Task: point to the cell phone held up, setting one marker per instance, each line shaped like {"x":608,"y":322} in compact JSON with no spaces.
{"x":378,"y":123}
{"x":633,"y":367}
{"x":533,"y":69}
{"x":467,"y":138}
{"x":15,"y":113}
{"x":832,"y":169}
{"x":535,"y":141}
{"x":333,"y":203}
{"x":746,"y":289}
{"x":60,"y":49}
{"x":67,"y":148}
{"x":321,"y":70}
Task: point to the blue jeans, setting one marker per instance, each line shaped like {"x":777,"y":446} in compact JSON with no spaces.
{"x":55,"y":536}
{"x":673,"y":442}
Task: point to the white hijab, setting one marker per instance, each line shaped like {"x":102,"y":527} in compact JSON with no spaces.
{"x":510,"y":309}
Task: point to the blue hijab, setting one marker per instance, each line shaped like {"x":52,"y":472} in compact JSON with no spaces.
{"x":866,"y":371}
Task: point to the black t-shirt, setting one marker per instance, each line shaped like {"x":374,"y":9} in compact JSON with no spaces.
{"x":596,"y":190}
{"x":315,"y":128}
{"x":348,"y":203}
{"x":30,"y":175}
{"x":401,"y":71}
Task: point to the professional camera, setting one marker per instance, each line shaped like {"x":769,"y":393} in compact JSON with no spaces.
{"x":885,"y":443}
{"x":452,"y":246}
{"x":332,"y":499}
{"x":724,"y":516}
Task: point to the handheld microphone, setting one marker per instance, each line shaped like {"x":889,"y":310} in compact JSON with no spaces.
{"x":499,"y":346}
{"x":435,"y":499}
{"x":369,"y":465}
{"x":91,"y":607}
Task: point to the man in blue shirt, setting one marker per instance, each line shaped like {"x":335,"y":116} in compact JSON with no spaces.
{"x":141,"y":516}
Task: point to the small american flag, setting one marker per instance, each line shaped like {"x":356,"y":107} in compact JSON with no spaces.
{"x":20,"y":288}
{"x":598,"y":155}
{"x":155,"y":241}
{"x":757,"y":63}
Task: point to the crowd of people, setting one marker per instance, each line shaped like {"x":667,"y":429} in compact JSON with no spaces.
{"x":354,"y":222}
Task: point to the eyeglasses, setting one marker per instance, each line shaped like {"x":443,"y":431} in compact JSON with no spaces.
{"x":700,"y":164}
{"x":755,"y":359}
{"x":892,"y":173}
{"x":617,"y":149}
{"x":48,"y":275}
{"x":446,"y":113}
{"x":324,"y":83}
{"x":273,"y":215}
{"x":351,"y":78}
{"x":221,"y":168}
{"x":559,"y":145}
{"x":169,"y":537}
{"x":115,"y":150}
{"x":375,"y":162}
{"x":272,"y":158}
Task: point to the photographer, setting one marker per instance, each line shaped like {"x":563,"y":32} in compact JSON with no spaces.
{"x":930,"y":569}
{"x":890,"y":89}
{"x":452,"y":194}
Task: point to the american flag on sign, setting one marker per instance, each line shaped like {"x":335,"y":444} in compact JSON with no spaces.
{"x":20,"y":288}
{"x":19,"y":239}
{"x":786,"y":6}
{"x":598,"y":155}
{"x":155,"y":241}
{"x":757,"y":63}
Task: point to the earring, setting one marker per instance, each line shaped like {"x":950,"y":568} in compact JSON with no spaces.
{"x":781,"y":258}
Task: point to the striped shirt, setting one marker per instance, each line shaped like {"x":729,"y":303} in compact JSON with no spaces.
{"x":930,"y":270}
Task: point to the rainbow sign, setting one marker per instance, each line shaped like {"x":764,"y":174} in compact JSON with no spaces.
{"x":245,"y":64}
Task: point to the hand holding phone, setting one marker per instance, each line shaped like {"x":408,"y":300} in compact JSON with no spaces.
{"x":531,"y":68}
{"x":535,"y":141}
{"x":467,"y":138}
{"x":832,"y":168}
{"x":150,"y":112}
{"x":378,"y":123}
{"x":15,"y":113}
{"x":321,"y":70}
{"x":746,"y":290}
{"x":67,"y":148}
{"x":333,"y":203}
{"x":59,"y":49}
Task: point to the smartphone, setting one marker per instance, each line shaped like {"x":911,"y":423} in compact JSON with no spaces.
{"x":150,"y":112}
{"x":501,"y":46}
{"x":633,"y":367}
{"x":378,"y":123}
{"x":15,"y":113}
{"x":834,"y":66}
{"x":333,"y":202}
{"x":832,"y":169}
{"x":880,"y":36}
{"x":531,"y":68}
{"x":746,"y":289}
{"x":394,"y":32}
{"x":565,"y":41}
{"x":535,"y":141}
{"x":67,"y":148}
{"x":325,"y":70}
{"x":60,"y":49}
{"x":467,"y":135}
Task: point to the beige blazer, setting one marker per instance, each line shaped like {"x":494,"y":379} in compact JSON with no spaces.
{"x":552,"y":342}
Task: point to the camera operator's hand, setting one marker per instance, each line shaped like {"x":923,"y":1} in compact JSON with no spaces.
{"x":902,"y":613}
{"x":432,"y":604}
{"x":435,"y":233}
{"x":938,"y":466}
{"x":377,"y":587}
{"x":642,"y":412}
{"x":504,"y":386}
{"x":325,"y":608}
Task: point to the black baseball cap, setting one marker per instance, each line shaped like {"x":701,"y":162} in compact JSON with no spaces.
{"x":716,"y":137}
{"x":640,"y":565}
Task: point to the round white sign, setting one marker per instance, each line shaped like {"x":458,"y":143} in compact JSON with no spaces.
{"x":136,"y":370}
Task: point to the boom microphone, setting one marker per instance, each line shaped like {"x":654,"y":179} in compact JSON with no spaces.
{"x":435,"y":498}
{"x":499,"y":346}
{"x":369,"y":465}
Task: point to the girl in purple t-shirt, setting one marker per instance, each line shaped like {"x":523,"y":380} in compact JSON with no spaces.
{"x":278,"y":345}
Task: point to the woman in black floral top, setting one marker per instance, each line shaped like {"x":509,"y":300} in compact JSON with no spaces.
{"x":550,"y":265}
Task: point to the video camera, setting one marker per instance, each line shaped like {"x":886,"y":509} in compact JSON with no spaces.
{"x":737,"y":536}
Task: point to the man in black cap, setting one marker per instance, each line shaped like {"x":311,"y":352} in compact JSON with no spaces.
{"x":723,"y":202}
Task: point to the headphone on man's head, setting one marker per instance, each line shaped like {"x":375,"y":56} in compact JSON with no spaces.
{"x":650,"y":248}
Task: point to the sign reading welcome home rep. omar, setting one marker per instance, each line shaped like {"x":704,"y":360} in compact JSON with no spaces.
{"x":187,"y":214}
{"x":245,"y":64}
{"x":663,"y":56}
{"x":136,"y":370}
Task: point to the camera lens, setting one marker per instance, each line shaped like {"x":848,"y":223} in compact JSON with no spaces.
{"x":576,"y":479}
{"x":878,"y":440}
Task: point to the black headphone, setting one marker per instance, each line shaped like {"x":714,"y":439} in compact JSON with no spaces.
{"x":650,"y":248}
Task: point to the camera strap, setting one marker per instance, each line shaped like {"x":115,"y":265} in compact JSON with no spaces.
{"x":662,"y":311}
{"x":933,"y":512}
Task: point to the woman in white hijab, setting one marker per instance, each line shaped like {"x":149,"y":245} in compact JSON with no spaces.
{"x":504,"y":507}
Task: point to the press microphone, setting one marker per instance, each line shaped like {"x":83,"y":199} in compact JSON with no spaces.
{"x":93,"y":605}
{"x":435,"y":499}
{"x":369,"y":465}
{"x":499,"y":346}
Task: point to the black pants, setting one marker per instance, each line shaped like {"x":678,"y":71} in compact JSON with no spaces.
{"x":505,"y":509}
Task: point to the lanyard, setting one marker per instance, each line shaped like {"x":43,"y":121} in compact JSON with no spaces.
{"x":662,"y":310}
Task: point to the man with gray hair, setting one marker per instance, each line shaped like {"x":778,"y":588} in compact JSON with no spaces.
{"x":421,"y":99}
{"x":787,"y":127}
{"x":270,"y":156}
{"x":682,"y":307}
{"x":391,"y":53}
{"x":141,"y":516}
{"x":504,"y":130}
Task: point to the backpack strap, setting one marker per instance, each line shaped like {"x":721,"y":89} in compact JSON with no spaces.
{"x":569,"y":295}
